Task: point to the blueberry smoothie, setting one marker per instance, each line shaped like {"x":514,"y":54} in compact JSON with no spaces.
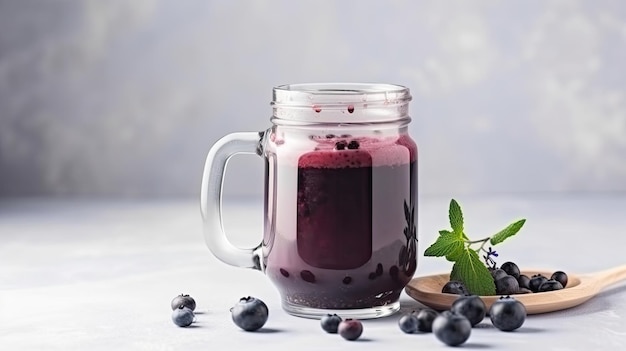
{"x":340,"y":231}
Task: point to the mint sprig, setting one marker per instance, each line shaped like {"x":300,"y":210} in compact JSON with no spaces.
{"x":458,"y":248}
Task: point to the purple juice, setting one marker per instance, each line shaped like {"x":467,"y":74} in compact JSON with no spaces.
{"x":341,"y":227}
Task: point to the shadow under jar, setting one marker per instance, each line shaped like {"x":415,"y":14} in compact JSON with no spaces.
{"x":340,"y":199}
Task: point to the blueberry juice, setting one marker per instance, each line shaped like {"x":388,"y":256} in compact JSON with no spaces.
{"x":341,"y":217}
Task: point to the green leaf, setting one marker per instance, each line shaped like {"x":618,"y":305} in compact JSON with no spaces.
{"x":507,"y":232}
{"x":456,"y":216}
{"x":447,"y":243}
{"x":455,"y":252}
{"x":471,"y":271}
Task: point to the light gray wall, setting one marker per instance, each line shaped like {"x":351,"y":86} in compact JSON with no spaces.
{"x":123,"y":98}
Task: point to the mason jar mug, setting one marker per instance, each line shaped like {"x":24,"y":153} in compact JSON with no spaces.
{"x":340,"y":203}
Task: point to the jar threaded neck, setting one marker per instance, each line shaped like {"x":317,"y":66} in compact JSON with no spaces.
{"x":357,"y":103}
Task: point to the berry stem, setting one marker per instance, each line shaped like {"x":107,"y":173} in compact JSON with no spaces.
{"x":488,"y":260}
{"x":483,"y":241}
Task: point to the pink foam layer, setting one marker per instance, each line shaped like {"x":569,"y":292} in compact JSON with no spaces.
{"x":371,"y":152}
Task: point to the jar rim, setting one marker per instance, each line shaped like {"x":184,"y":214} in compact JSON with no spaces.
{"x":342,"y":88}
{"x":328,"y":102}
{"x":370,"y":91}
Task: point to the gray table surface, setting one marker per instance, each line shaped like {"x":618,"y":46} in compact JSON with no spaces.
{"x":100,"y":274}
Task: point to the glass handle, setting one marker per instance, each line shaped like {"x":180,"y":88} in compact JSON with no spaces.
{"x":211,"y":198}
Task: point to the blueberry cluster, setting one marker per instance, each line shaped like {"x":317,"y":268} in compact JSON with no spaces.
{"x":418,"y":321}
{"x":249,"y":313}
{"x":342,"y":145}
{"x":539,"y":283}
{"x":454,"y":327}
{"x":451,"y":327}
{"x":510,"y":281}
{"x":349,"y":329}
{"x":182,"y":310}
{"x":377,"y":273}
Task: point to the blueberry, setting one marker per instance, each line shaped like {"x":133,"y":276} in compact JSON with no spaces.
{"x":523,"y":281}
{"x":340,"y":145}
{"x":507,"y":313}
{"x":472,"y":307}
{"x":454,"y":287}
{"x":560,"y":277}
{"x":307,"y":276}
{"x":408,"y":323}
{"x":249,"y":313}
{"x":425,"y":320}
{"x":511,"y":269}
{"x":451,"y":328}
{"x":498,"y":273}
{"x":379,"y":269}
{"x":330,"y":323}
{"x":524,"y":291}
{"x":536,"y":281}
{"x":182,"y":316}
{"x":353,"y":145}
{"x":394,"y":271}
{"x":507,"y":285}
{"x":350,"y":329}
{"x":550,"y":285}
{"x":185,"y":301}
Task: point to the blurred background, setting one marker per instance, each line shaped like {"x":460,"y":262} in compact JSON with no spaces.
{"x":124,"y":98}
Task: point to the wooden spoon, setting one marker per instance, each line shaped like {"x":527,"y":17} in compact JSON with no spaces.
{"x":579,"y":289}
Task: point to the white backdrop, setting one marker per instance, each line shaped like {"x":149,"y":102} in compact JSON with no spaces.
{"x":123,"y":98}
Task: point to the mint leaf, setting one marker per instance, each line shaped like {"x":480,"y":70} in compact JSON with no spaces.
{"x":472,"y":272}
{"x":456,"y":216}
{"x":455,"y":252}
{"x":507,"y":232}
{"x":447,"y":243}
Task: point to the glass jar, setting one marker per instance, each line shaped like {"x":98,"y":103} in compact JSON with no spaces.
{"x":340,"y":227}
